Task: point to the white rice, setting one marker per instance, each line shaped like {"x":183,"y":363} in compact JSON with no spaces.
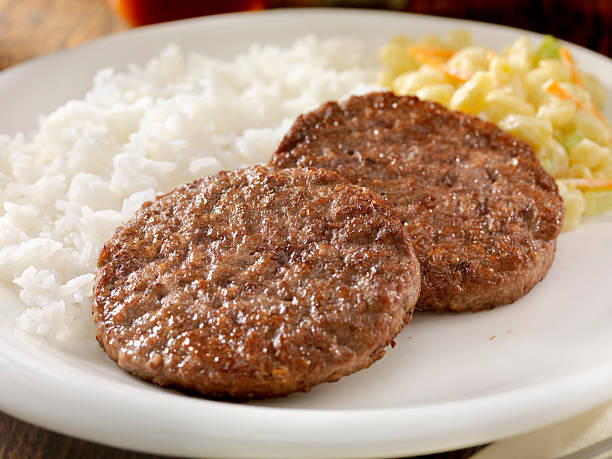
{"x":92,"y":162}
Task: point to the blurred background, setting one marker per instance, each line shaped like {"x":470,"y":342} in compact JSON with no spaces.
{"x":29,"y":28}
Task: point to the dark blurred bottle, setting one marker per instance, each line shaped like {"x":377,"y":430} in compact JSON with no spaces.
{"x":142,"y":12}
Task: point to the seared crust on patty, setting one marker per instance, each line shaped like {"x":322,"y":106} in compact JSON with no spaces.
{"x":255,"y":283}
{"x":482,"y":213}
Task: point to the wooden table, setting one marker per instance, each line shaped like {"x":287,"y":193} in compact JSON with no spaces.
{"x":30,"y":28}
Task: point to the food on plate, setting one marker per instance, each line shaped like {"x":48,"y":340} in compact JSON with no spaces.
{"x":140,"y":131}
{"x":482,"y":213}
{"x":538,"y":95}
{"x":255,"y":283}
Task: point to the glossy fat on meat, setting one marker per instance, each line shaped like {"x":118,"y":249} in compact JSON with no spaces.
{"x":255,"y":283}
{"x":482,"y":213}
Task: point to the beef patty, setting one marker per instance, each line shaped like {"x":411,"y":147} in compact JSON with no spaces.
{"x":482,"y":213}
{"x":255,"y":283}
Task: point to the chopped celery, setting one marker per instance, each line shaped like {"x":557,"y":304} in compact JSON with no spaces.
{"x":572,"y":139}
{"x":548,"y":49}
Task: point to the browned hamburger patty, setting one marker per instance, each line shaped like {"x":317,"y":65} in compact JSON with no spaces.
{"x":255,"y":283}
{"x":482,"y":213}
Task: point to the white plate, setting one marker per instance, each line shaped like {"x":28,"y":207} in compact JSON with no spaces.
{"x":451,"y":381}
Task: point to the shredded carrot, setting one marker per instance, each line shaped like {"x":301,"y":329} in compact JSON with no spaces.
{"x":566,"y":58}
{"x":437,"y":57}
{"x":552,"y":87}
{"x":598,"y":114}
{"x":439,"y":64}
{"x":589,"y":184}
{"x":432,"y":51}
